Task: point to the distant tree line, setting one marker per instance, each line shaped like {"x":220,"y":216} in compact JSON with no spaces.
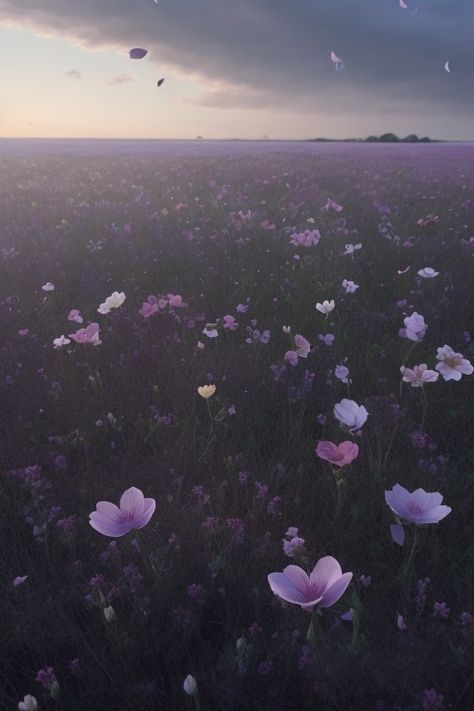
{"x":392,"y":138}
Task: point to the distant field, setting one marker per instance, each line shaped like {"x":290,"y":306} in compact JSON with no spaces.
{"x":223,"y":250}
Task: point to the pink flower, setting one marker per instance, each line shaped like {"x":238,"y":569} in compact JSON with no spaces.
{"x":176,"y":301}
{"x":74,"y":315}
{"x":340,"y":455}
{"x":135,"y":511}
{"x":19,"y":580}
{"x":322,"y":588}
{"x":427,"y":273}
{"x":148,"y":309}
{"x":452,"y":365}
{"x":302,"y":346}
{"x":87,"y":335}
{"x":419,"y":507}
{"x":23,"y":331}
{"x":332,"y":205}
{"x":418,"y":375}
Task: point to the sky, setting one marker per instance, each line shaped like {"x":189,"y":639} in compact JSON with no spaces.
{"x":236,"y":68}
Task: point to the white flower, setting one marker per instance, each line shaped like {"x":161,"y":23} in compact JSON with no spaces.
{"x":452,"y":366}
{"x":351,"y":248}
{"x":326,"y":307}
{"x":61,"y":341}
{"x":190,"y":686}
{"x":286,"y":329}
{"x":427,"y":273}
{"x":48,"y":286}
{"x":350,"y":414}
{"x":112,"y":302}
{"x":349,"y":286}
{"x":415,"y":327}
{"x":29,"y":703}
{"x":206,"y":391}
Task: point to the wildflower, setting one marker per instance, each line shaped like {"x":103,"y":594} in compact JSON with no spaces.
{"x":440,"y":609}
{"x":19,"y":580}
{"x":293,"y":545}
{"x":415,"y":327}
{"x":230,"y":323}
{"x":322,"y":588}
{"x":148,"y":309}
{"x":48,"y":286}
{"x":351,"y":248}
{"x":326,"y":307}
{"x":349,"y":286}
{"x":176,"y":301}
{"x":87,"y":335}
{"x":135,"y":511}
{"x":418,"y":507}
{"x":113,"y":301}
{"x":61,"y":341}
{"x":109,"y":614}
{"x":418,"y":375}
{"x":452,"y":366}
{"x":427,"y":273}
{"x":340,"y":455}
{"x":75,"y":315}
{"x":401,"y":624}
{"x":341,"y":373}
{"x":29,"y":703}
{"x":350,"y":414}
{"x":206,"y":391}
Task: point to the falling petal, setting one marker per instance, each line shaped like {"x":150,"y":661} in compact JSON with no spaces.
{"x":160,"y":82}
{"x":336,"y":59}
{"x":403,"y":5}
{"x":403,"y":271}
{"x":397,"y":533}
{"x":447,"y":67}
{"x":138,"y":53}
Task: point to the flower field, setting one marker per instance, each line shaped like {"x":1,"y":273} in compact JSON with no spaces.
{"x":237,"y":450}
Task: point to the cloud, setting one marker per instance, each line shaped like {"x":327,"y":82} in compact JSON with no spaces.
{"x":275,"y":53}
{"x":120,"y":79}
{"x":73,"y":74}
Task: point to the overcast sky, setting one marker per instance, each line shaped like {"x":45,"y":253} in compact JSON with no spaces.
{"x":236,"y":68}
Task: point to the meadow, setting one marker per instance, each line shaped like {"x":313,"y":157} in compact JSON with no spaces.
{"x":202,"y":266}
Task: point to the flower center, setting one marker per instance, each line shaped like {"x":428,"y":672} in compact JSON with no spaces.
{"x":125,"y":516}
{"x":414,"y":508}
{"x":453,"y":361}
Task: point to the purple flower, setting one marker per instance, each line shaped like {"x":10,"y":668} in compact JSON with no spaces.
{"x":135,"y":511}
{"x":322,"y":588}
{"x":419,"y":507}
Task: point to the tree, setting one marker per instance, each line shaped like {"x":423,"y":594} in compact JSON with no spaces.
{"x":389,"y":138}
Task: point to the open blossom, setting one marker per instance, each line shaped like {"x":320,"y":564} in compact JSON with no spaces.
{"x":418,"y":375}
{"x":206,"y":391}
{"x":293,"y":545}
{"x":415,"y":327}
{"x":75,"y":315}
{"x":350,"y":414}
{"x":326,"y":307}
{"x":176,"y":301}
{"x":135,"y":511}
{"x":190,"y":686}
{"x":48,"y":286}
{"x":418,"y":507}
{"x":322,"y":588}
{"x":340,"y":455}
{"x":112,"y":302}
{"x":302,"y":346}
{"x":61,"y":341}
{"x":230,"y":323}
{"x":148,"y":309}
{"x":452,"y":366}
{"x":427,"y":273}
{"x":87,"y":335}
{"x":349,"y":286}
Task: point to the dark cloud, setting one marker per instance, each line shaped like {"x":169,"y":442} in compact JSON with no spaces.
{"x":73,"y":74}
{"x":120,"y":79}
{"x":275,"y":53}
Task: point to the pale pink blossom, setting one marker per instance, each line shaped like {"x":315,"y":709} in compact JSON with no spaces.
{"x":415,"y":327}
{"x":75,"y":315}
{"x":418,"y":507}
{"x":90,"y":334}
{"x":340,"y":455}
{"x":427,"y":273}
{"x":326,"y":307}
{"x":349,"y":286}
{"x":452,"y":366}
{"x":418,"y":375}
{"x":322,"y":588}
